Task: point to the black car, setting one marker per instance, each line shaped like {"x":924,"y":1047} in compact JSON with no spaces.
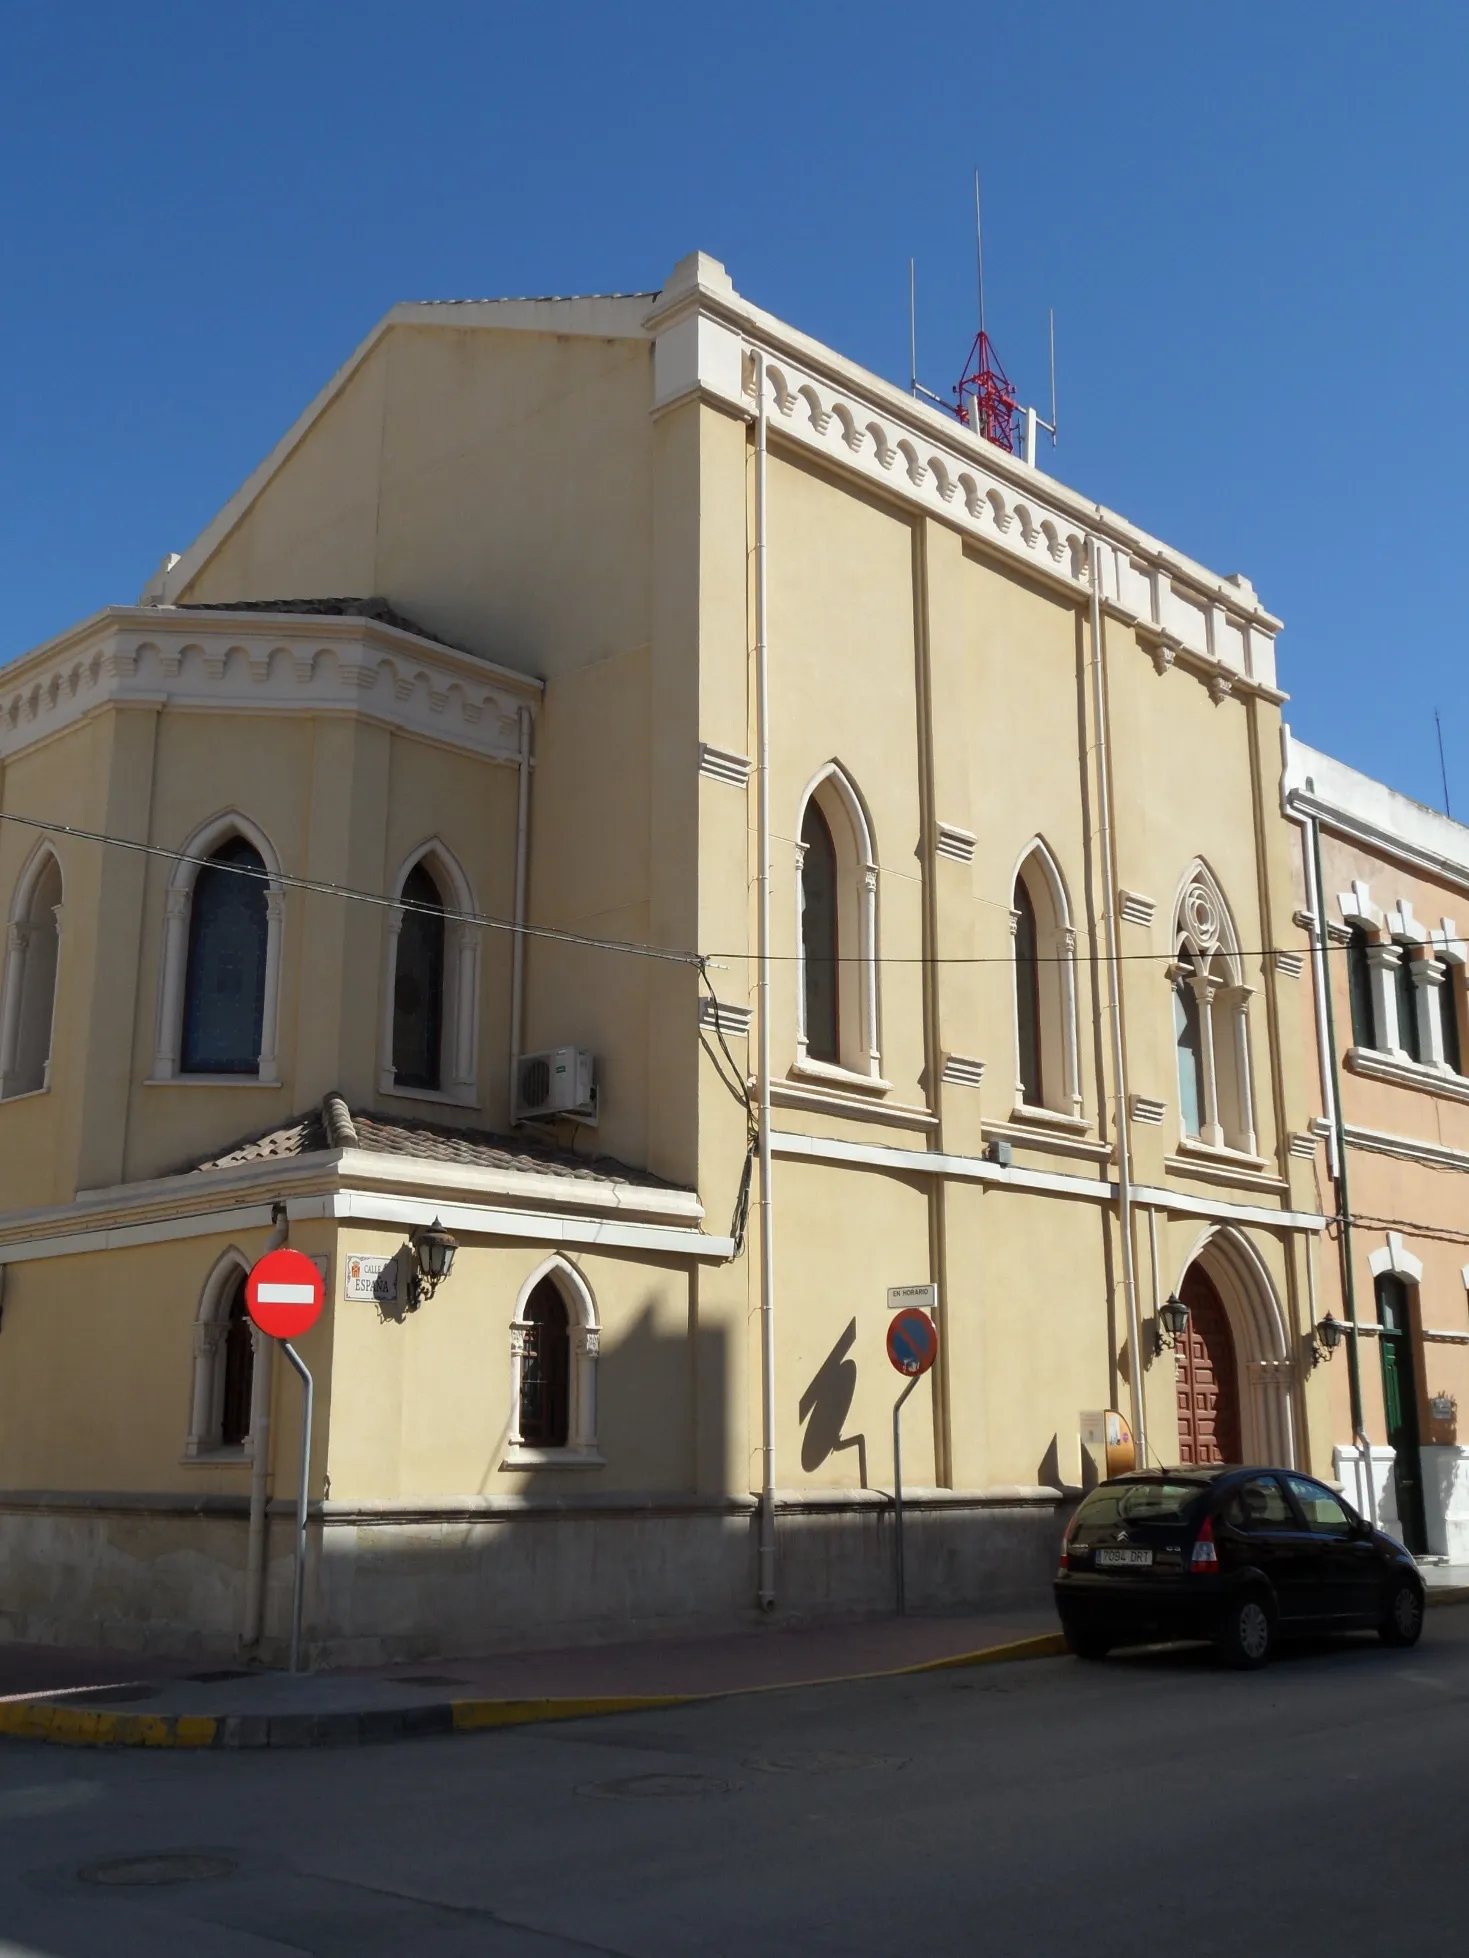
{"x":1241,"y":1556}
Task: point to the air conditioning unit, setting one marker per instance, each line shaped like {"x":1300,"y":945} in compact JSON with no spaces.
{"x":560,"y":1082}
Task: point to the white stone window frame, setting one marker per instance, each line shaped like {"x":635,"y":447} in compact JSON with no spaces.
{"x":1395,"y":1257}
{"x":584,"y":1329}
{"x":1059,"y":1031}
{"x":206,"y":1399}
{"x":1207,"y":954}
{"x":858,"y":1029}
{"x":1394,"y":935}
{"x":459,"y":1019}
{"x":174,"y":966}
{"x":19,"y":933}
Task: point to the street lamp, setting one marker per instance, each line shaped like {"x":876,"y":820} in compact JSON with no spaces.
{"x":1172,"y":1323}
{"x":433,"y":1254}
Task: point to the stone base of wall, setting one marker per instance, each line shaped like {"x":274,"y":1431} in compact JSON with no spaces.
{"x":410,"y":1582}
{"x":1446,"y":1499}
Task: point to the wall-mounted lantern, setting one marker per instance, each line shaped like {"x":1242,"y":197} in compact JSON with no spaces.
{"x":433,"y":1260}
{"x":1172,"y":1323}
{"x":1329,"y":1335}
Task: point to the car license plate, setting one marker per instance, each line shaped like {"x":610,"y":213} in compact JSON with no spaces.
{"x":1125,"y":1557}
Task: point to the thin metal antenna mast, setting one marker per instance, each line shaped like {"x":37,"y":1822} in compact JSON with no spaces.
{"x":1053,"y":376}
{"x":912,"y":329}
{"x":979,"y":250}
{"x":1442,"y":770}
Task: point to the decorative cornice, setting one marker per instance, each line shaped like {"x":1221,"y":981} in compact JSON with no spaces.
{"x":1408,"y":1148}
{"x":951,"y":841}
{"x":1367,"y":812}
{"x":1290,"y":965}
{"x":1145,"y":1109}
{"x":262,"y":663}
{"x":1302,"y":1144}
{"x":722,"y":765}
{"x":1135,"y":908}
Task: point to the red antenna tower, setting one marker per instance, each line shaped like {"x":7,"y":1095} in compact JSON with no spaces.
{"x":987,"y":402}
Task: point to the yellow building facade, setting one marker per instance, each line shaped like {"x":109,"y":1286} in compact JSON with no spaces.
{"x":636,"y":679}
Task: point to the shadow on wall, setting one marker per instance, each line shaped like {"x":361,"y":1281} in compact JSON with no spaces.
{"x":825,"y":1405}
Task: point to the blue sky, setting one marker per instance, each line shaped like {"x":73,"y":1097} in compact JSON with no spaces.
{"x":1250,"y":221}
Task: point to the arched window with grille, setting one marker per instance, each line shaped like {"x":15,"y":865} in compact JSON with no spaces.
{"x":431,"y":986}
{"x":836,"y":927}
{"x":28,"y":1004}
{"x":224,"y":987}
{"x":554,"y":1346}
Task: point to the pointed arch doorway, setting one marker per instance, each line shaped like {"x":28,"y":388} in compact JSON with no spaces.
{"x":1209,"y":1426}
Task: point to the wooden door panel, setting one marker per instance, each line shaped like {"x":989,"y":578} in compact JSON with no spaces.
{"x":1208,"y":1388}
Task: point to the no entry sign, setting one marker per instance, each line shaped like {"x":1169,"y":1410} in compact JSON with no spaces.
{"x":283,"y":1293}
{"x":913,"y":1341}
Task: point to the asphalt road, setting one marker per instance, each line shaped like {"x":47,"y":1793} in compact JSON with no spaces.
{"x":1152,"y":1804}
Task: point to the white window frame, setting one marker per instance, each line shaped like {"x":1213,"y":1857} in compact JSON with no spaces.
{"x":1056,"y":950}
{"x":206,"y":1401}
{"x":174,"y":965}
{"x":459,"y":1020}
{"x":860,"y":1063}
{"x":19,"y":934}
{"x":585,"y":1332}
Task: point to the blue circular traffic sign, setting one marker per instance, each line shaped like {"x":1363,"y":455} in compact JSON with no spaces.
{"x":913,"y":1341}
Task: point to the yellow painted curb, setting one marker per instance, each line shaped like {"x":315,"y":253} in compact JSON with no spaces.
{"x":471,"y":1714}
{"x":81,"y":1726}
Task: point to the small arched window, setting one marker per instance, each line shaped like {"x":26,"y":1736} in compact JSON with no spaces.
{"x":224,"y":984}
{"x":1359,"y":978}
{"x":1047,"y":1071}
{"x":1027,"y":999}
{"x":30,"y":982}
{"x":545,"y":1369}
{"x":418,"y":984}
{"x":836,"y":924}
{"x":237,"y":1371}
{"x":819,"y":936}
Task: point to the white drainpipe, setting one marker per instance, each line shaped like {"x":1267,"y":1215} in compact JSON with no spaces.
{"x":1114,"y":1002}
{"x":767,"y":1202}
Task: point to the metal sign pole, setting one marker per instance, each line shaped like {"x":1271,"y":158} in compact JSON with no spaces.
{"x":898,"y":1494}
{"x":299,"y":1592}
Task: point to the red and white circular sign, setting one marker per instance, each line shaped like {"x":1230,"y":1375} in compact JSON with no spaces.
{"x":283,"y":1293}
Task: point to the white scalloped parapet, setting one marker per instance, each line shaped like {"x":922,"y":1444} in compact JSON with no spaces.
{"x":260,"y":663}
{"x":711,"y":344}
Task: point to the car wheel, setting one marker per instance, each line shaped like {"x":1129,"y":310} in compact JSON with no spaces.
{"x":1246,"y":1635}
{"x":1402,"y":1617}
{"x":1086,"y":1644}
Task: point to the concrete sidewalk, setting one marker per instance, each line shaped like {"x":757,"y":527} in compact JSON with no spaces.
{"x":101,"y":1699}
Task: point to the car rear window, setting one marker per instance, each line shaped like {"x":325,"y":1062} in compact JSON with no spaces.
{"x":1139,"y":1502}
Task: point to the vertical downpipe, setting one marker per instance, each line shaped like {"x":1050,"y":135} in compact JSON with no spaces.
{"x":1114,"y":1002}
{"x":517,"y":952}
{"x":767,"y":1206}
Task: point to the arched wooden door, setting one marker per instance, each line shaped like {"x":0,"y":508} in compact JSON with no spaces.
{"x":1208,"y":1377}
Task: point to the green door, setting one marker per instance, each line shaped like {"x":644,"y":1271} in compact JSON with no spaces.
{"x":1400,"y":1406}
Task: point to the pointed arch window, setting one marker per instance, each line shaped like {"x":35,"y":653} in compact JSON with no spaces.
{"x":431,"y":984}
{"x":554,"y":1346}
{"x":223,"y":1407}
{"x":1047,"y":1071}
{"x":1211,"y":1021}
{"x":224,"y":985}
{"x":819,"y":941}
{"x":28,"y":1006}
{"x":219,"y":977}
{"x":836,"y":932}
